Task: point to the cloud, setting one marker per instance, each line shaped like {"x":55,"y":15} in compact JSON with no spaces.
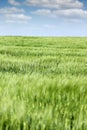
{"x":65,"y":13}
{"x":10,"y":10}
{"x":65,"y":9}
{"x":71,"y":13}
{"x":14,"y":2}
{"x":57,"y":4}
{"x":42,"y":12}
{"x":13,"y":14}
{"x":49,"y":26}
{"x":17,"y":18}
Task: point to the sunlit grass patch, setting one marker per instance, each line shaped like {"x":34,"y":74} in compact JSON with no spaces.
{"x":43,"y":83}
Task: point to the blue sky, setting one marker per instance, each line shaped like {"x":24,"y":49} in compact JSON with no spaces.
{"x":43,"y":17}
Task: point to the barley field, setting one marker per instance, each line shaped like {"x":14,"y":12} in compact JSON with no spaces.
{"x":43,"y":83}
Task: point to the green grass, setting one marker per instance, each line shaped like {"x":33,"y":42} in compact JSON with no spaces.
{"x":43,"y":83}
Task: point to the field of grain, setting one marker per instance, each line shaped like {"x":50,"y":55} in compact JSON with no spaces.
{"x":43,"y":83}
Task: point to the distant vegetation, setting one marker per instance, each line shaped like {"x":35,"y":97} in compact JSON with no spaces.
{"x":43,"y":83}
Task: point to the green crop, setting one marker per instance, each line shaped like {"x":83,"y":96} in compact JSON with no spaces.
{"x":43,"y":83}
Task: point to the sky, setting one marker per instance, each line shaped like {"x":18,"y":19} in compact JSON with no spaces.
{"x":43,"y":17}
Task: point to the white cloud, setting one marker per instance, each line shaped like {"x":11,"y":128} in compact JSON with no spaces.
{"x":71,"y":13}
{"x":10,"y":10}
{"x":17,"y":18}
{"x":42,"y":12}
{"x":66,"y":13}
{"x":57,"y":4}
{"x":49,"y":26}
{"x":13,"y":2}
{"x":13,"y":14}
{"x":66,"y":9}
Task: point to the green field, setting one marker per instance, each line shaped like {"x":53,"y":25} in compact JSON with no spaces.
{"x":43,"y":83}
